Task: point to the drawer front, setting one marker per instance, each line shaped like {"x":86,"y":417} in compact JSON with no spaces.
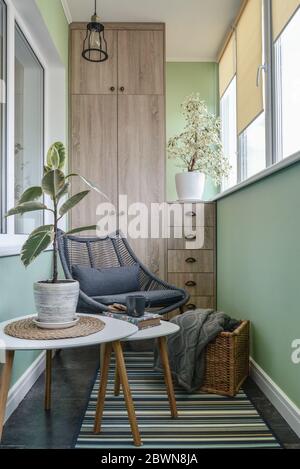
{"x":192,"y":214}
{"x":196,"y":302}
{"x":190,"y":261}
{"x":200,"y":238}
{"x":195,"y":284}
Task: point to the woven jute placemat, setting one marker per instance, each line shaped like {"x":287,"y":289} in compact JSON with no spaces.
{"x":27,"y":329}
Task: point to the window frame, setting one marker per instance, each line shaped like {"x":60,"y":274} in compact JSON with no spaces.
{"x":273,"y":162}
{"x":43,"y":128}
{"x":4,"y":130}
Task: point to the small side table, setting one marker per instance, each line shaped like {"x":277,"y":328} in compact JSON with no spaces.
{"x":160,"y":333}
{"x":114,"y":331}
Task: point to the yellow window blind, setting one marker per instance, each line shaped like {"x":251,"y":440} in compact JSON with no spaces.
{"x":227,"y":65}
{"x":282,"y":11}
{"x":249,"y":57}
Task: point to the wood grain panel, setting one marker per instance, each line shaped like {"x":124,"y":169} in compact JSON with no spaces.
{"x":200,"y":302}
{"x":181,"y":238}
{"x":190,"y":261}
{"x":94,"y":152}
{"x":89,"y":77}
{"x":192,"y":215}
{"x":123,"y":26}
{"x":142,"y":164}
{"x":141,"y":62}
{"x":204,"y":283}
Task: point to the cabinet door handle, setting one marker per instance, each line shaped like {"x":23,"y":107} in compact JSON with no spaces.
{"x":112,"y":88}
{"x":190,"y":260}
{"x":190,"y":283}
{"x":190,"y":237}
{"x":122,"y":89}
{"x":191,"y":306}
{"x":191,"y":214}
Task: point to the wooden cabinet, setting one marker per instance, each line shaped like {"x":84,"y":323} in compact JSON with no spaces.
{"x":191,"y":259}
{"x":94,"y":152}
{"x":118,"y":124}
{"x":141,"y":62}
{"x":94,"y":78}
{"x":141,"y":146}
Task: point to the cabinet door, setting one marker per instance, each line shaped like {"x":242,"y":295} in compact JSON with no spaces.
{"x":90,"y":77}
{"x":142,"y":166}
{"x":141,"y":62}
{"x":94,"y":152}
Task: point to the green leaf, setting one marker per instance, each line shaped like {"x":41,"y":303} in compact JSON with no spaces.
{"x":91,"y":184}
{"x":83,"y":228}
{"x":72,"y":202}
{"x":37,"y":242}
{"x":64,"y":191}
{"x":56,"y":156}
{"x":53,"y":182}
{"x":94,"y":186}
{"x":26,"y":207}
{"x":31,"y":194}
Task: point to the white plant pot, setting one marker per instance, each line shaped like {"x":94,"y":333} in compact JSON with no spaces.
{"x":56,"y":302}
{"x":190,"y":186}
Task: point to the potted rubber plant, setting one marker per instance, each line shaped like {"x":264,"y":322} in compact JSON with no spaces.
{"x":198,"y":150}
{"x":55,"y":299}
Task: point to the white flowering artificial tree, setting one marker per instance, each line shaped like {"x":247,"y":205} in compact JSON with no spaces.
{"x":199,"y":146}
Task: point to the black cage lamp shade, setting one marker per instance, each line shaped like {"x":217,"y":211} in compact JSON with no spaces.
{"x":95,"y":44}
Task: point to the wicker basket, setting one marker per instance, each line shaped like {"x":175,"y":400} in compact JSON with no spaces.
{"x":227,"y":362}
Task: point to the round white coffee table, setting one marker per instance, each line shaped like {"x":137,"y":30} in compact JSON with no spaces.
{"x":114,"y":331}
{"x":160,"y":333}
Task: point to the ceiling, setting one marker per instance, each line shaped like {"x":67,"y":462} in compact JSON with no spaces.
{"x":195,"y":28}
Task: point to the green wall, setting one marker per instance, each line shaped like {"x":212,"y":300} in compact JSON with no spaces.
{"x":259,"y":270}
{"x":55,"y":19}
{"x":182,"y":79}
{"x":16,"y":293}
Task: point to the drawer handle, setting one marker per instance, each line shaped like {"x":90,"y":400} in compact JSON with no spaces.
{"x":122,"y":89}
{"x":190,"y":237}
{"x":191,"y":214}
{"x":112,"y":88}
{"x":190,"y":283}
{"x":190,"y":260}
{"x":191,"y":306}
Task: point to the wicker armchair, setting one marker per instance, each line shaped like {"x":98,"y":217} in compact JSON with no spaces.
{"x":114,"y":251}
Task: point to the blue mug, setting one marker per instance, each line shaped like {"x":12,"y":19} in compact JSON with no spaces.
{"x":136,"y":305}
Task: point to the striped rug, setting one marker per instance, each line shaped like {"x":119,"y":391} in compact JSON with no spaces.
{"x":205,"y":420}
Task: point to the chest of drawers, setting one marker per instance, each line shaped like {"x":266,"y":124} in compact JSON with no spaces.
{"x":191,"y":253}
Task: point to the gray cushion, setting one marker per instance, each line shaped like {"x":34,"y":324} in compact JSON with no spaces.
{"x":156,"y":298}
{"x":112,"y":281}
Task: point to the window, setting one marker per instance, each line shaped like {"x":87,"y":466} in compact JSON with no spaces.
{"x":253,"y":148}
{"x":287,"y":88}
{"x":29,"y":127}
{"x":229,"y":132}
{"x":2,"y":110}
{"x":266,"y":63}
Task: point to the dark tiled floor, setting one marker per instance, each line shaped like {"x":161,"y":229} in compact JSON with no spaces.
{"x":73,"y":376}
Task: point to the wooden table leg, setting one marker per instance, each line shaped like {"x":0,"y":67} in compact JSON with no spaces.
{"x":5,"y":382}
{"x":102,"y":388}
{"x":48,"y":379}
{"x":117,"y":387}
{"x":117,"y":383}
{"x":162,"y":344}
{"x":127,"y":393}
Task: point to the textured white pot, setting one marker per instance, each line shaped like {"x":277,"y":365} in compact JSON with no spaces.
{"x":190,"y":186}
{"x":56,"y":302}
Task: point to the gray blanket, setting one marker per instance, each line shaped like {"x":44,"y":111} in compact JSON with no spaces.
{"x":197,"y":329}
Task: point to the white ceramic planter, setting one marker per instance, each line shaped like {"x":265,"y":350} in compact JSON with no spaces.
{"x":56,"y":302}
{"x":190,"y":186}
